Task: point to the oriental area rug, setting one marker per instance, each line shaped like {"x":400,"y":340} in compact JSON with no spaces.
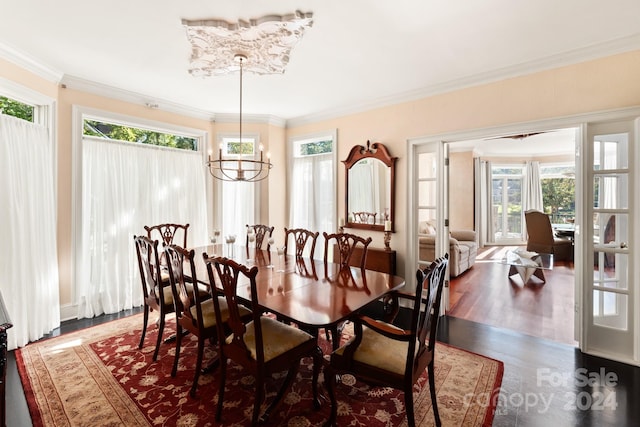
{"x":98,"y":377}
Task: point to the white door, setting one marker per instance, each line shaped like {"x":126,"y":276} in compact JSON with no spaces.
{"x":430,"y":172}
{"x":609,"y":294}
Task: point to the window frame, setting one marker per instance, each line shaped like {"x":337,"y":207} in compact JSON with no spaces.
{"x":293,"y":145}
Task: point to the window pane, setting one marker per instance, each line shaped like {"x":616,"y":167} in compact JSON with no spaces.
{"x":427,"y":165}
{"x":610,"y":309}
{"x":427,"y":193}
{"x":101,"y":129}
{"x":14,"y":108}
{"x":610,"y":270}
{"x":610,"y":191}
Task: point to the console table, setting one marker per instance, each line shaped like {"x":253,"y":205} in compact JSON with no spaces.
{"x":5,"y":323}
{"x":377,"y":259}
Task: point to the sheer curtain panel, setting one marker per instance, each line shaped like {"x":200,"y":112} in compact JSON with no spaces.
{"x":126,"y":186}
{"x":313,"y":195}
{"x":28,"y":254}
{"x":532,"y":188}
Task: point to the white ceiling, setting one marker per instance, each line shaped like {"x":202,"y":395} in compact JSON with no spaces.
{"x":358,"y":54}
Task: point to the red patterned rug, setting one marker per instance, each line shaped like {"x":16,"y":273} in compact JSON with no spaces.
{"x":99,"y":377}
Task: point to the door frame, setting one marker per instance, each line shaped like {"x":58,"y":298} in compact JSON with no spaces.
{"x":580,"y":122}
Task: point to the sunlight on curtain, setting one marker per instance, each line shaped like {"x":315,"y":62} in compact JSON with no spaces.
{"x":532,"y":188}
{"x":126,"y":186}
{"x":312,"y":200}
{"x":487,"y":231}
{"x":28,"y":254}
{"x":237,"y":208}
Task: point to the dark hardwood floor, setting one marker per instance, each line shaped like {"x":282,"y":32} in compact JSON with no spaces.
{"x":486,"y":294}
{"x":542,"y":384}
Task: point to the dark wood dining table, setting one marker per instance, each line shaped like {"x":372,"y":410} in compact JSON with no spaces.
{"x":304,"y":291}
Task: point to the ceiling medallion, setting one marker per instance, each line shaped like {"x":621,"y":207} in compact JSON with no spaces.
{"x":266,"y":42}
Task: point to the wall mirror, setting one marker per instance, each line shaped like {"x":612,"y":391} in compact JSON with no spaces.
{"x":370,"y":187}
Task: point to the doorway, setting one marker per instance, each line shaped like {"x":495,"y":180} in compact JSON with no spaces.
{"x":494,"y":208}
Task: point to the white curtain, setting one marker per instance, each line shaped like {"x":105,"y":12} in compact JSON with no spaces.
{"x":126,"y":186}
{"x":532,"y":188}
{"x":238,"y":208}
{"x":312,"y":200}
{"x":365,"y":194}
{"x":28,"y":254}
{"x":487,"y":230}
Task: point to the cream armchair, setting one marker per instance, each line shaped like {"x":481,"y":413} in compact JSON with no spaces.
{"x":463,"y":247}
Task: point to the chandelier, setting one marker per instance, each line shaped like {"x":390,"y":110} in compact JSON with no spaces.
{"x":239,"y":169}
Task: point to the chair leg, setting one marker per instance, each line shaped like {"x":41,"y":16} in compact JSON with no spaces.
{"x":174,"y":371}
{"x":335,"y":337}
{"x":145,"y":322}
{"x":330,"y":383}
{"x":223,"y":378}
{"x":291,"y":375}
{"x":159,"y":339}
{"x":317,"y":364}
{"x":259,"y":398}
{"x":196,"y":375}
{"x":408,"y":406}
{"x":432,"y":389}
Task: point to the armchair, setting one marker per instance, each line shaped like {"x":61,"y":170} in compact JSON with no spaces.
{"x":463,"y":247}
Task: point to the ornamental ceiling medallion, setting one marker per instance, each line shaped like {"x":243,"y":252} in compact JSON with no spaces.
{"x":266,"y":42}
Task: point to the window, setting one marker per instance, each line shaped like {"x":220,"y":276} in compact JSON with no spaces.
{"x":113,"y":131}
{"x":506,"y":196}
{"x":238,"y":201}
{"x":12,"y":107}
{"x":312,"y":178}
{"x":130,"y":173}
{"x":559,"y":191}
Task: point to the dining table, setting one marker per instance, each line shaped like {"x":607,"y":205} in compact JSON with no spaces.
{"x":305,"y":291}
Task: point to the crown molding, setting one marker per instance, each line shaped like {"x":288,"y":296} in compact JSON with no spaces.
{"x":251,"y":118}
{"x":29,"y":63}
{"x":588,"y":53}
{"x":111,"y":92}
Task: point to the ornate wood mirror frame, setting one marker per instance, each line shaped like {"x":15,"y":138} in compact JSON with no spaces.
{"x":370,"y":175}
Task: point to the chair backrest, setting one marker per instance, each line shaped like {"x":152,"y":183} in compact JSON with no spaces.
{"x":183,"y":296}
{"x":302,"y":238}
{"x":261,"y":231}
{"x":149,"y":264}
{"x":365,"y":217}
{"x":426,"y":312}
{"x":226,"y":276}
{"x":168,"y":233}
{"x":539,"y":231}
{"x":346,"y":244}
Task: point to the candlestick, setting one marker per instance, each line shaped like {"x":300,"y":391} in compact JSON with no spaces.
{"x":387,"y":225}
{"x":387,"y":240}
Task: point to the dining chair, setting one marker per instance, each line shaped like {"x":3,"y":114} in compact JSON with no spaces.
{"x":156,"y":290}
{"x":264,"y":346}
{"x":365,"y":217}
{"x":542,"y":239}
{"x":303,"y":238}
{"x":168,"y":234}
{"x":261,"y":232}
{"x":194,"y":310}
{"x":346,"y":244}
{"x":383,"y":354}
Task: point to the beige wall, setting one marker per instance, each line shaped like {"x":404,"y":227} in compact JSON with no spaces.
{"x":461,"y":191}
{"x":598,"y":85}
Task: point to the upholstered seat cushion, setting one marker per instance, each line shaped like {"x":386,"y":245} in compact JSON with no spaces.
{"x":392,"y":359}
{"x":168,"y":295}
{"x":209,"y":313}
{"x":277,"y":337}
